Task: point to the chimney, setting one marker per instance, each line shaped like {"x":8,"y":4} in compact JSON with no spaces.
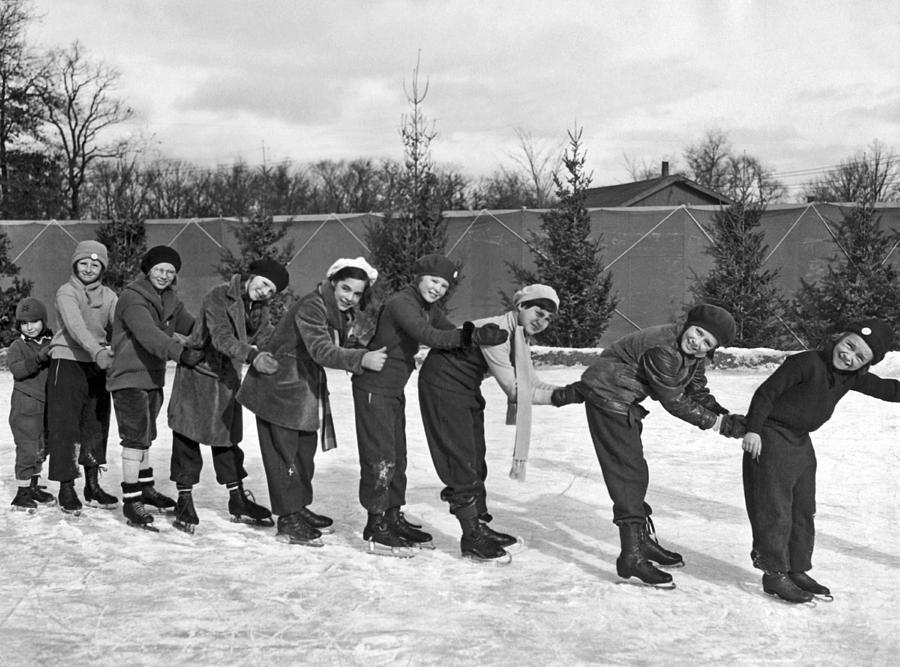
{"x":665,"y":168}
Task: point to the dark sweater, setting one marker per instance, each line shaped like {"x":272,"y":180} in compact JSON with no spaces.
{"x":30,"y":374}
{"x":461,"y":370}
{"x":803,"y":392}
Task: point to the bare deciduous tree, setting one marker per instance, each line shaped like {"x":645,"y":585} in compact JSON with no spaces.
{"x":867,"y":177}
{"x":540,"y":163}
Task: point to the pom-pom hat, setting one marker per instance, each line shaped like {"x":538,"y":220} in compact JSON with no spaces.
{"x":535,"y":292}
{"x":877,"y":335}
{"x":358,"y":263}
{"x":271,"y":270}
{"x":31,"y":309}
{"x":436,"y":265}
{"x":91,"y":250}
{"x":160,"y":254}
{"x":715,"y":320}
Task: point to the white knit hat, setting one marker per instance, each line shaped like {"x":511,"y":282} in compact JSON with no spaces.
{"x":358,"y":263}
{"x":534,"y":292}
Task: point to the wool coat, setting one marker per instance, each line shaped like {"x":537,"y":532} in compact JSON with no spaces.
{"x":309,"y":337}
{"x":203,"y":406}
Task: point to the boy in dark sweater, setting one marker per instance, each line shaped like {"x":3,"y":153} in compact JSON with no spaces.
{"x":779,"y":461}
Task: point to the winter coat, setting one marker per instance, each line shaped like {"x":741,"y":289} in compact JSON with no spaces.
{"x":651,"y":363}
{"x":85,"y":314}
{"x":309,"y":337}
{"x":142,"y":339}
{"x":29,"y":373}
{"x":405,"y":322}
{"x":203,"y":406}
{"x":802,"y":393}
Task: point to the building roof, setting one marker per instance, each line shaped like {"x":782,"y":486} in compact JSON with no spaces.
{"x":632,"y":194}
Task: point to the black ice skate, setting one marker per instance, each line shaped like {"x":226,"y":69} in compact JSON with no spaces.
{"x":136,"y":514}
{"x":94,"y":495}
{"x":186,"y":518}
{"x":632,"y":564}
{"x":293,"y":529}
{"x":320,"y":522}
{"x":408,"y":531}
{"x":23,"y":502}
{"x":68,"y":498}
{"x":243,"y":509}
{"x":806,"y":583}
{"x":382,"y":541}
{"x":779,"y":584}
{"x":652,"y":551}
{"x":476,"y":544}
{"x":508,"y":542}
{"x":40,"y":496}
{"x":150,"y":497}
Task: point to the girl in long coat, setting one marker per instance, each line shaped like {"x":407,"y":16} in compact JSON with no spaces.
{"x":233,"y":321}
{"x":292,"y":404}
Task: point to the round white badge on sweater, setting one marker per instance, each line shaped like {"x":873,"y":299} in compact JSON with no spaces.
{"x":865,"y":331}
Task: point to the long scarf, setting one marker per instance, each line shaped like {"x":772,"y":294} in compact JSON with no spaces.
{"x":339,"y":321}
{"x":519,"y":413}
{"x":328,"y":437}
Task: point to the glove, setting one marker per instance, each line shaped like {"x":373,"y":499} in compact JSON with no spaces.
{"x":190,"y":357}
{"x":265,"y":363}
{"x":43,"y":355}
{"x":488,"y":334}
{"x":733,"y":426}
{"x":571,"y":393}
{"x":104,"y":359}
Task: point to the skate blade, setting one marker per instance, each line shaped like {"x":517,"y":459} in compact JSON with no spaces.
{"x":518,"y":547}
{"x":188,"y":528}
{"x":505,"y":559}
{"x":424,"y":546}
{"x":676,"y":566}
{"x":23,"y":510}
{"x":149,"y":527}
{"x":70,"y":512}
{"x":634,"y":581}
{"x":287,"y":539}
{"x":255,"y":523}
{"x":377,"y":549}
{"x":823,"y":598}
{"x":100,"y":506}
{"x":756,"y":589}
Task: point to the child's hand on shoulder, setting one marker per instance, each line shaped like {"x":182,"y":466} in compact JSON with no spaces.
{"x":752,"y":444}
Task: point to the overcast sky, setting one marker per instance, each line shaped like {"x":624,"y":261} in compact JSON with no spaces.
{"x":801,"y":85}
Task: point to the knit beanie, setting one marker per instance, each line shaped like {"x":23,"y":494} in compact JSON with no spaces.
{"x":160,"y":254}
{"x":31,"y":309}
{"x":436,"y":265}
{"x":271,"y":270}
{"x":715,"y":320}
{"x":877,"y":334}
{"x":534,"y":293}
{"x":358,"y":263}
{"x":91,"y":250}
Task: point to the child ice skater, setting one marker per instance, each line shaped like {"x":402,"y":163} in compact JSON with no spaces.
{"x":28,"y":357}
{"x":779,"y":461}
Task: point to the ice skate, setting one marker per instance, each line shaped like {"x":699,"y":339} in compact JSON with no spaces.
{"x":382,"y":541}
{"x":186,"y":519}
{"x":150,"y":497}
{"x":23,"y":502}
{"x":476,"y":544}
{"x":293,"y":529}
{"x":779,"y":584}
{"x":243,"y":509}
{"x":510,"y":543}
{"x":806,"y":583}
{"x":320,"y":522}
{"x":40,"y":496}
{"x":632,"y":565}
{"x":68,"y":498}
{"x":94,"y":495}
{"x":653,"y":551}
{"x":136,"y":514}
{"x":408,"y":531}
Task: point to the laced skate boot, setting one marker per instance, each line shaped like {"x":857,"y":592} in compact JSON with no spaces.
{"x":150,"y":496}
{"x":243,"y":508}
{"x":40,"y":496}
{"x":320,"y":522}
{"x":24,"y":502}
{"x":94,"y":496}
{"x":384,"y":541}
{"x":293,"y":529}
{"x":68,"y":498}
{"x":136,"y":514}
{"x":779,"y":584}
{"x":632,"y":563}
{"x":504,"y":540}
{"x":476,"y":544}
{"x":186,"y":518}
{"x":806,"y":583}
{"x":410,"y":532}
{"x":652,"y":551}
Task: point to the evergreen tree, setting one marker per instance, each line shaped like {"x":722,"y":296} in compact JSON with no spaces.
{"x":738,"y":283}
{"x":16,"y":289}
{"x":569,"y":260}
{"x":860,"y":281}
{"x":126,"y":240}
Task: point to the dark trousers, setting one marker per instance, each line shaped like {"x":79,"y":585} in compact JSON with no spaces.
{"x":187,"y":462}
{"x":78,"y":409}
{"x":381,"y":438}
{"x":26,"y":421}
{"x":136,"y":413}
{"x":454,"y":429}
{"x":780,"y":494}
{"x":617,"y":441}
{"x":287,"y":456}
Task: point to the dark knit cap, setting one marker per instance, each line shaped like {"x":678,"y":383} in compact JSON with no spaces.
{"x":877,"y":334}
{"x":160,"y":254}
{"x":436,"y":265}
{"x":713,"y":319}
{"x":272,"y":270}
{"x":31,"y":310}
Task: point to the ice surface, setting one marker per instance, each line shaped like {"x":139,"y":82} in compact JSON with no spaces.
{"x":90,"y":590}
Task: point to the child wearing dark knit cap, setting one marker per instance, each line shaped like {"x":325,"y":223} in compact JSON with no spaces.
{"x":779,"y":461}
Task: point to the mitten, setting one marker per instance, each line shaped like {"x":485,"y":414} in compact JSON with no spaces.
{"x":104,"y":359}
{"x":265,"y":363}
{"x":571,"y":393}
{"x":43,"y":355}
{"x":733,"y":426}
{"x":190,"y":357}
{"x":488,"y":334}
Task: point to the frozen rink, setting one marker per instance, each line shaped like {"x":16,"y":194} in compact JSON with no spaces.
{"x":90,"y":590}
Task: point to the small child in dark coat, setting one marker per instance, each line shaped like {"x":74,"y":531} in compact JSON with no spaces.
{"x":779,"y":461}
{"x":28,"y":358}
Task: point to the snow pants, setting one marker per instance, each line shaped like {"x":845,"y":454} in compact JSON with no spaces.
{"x":187,"y":462}
{"x":26,"y":421}
{"x":620,"y":451}
{"x":136,"y":413}
{"x":381,"y":438}
{"x":780,"y":494}
{"x":288,"y":458}
{"x":78,"y":409}
{"x":454,"y":429}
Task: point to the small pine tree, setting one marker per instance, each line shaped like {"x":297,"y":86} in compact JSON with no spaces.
{"x":16,"y":290}
{"x":860,"y":282}
{"x":738,"y":283}
{"x":126,"y":241}
{"x":569,"y":260}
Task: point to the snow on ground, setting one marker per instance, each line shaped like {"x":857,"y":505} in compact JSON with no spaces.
{"x":90,"y":590}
